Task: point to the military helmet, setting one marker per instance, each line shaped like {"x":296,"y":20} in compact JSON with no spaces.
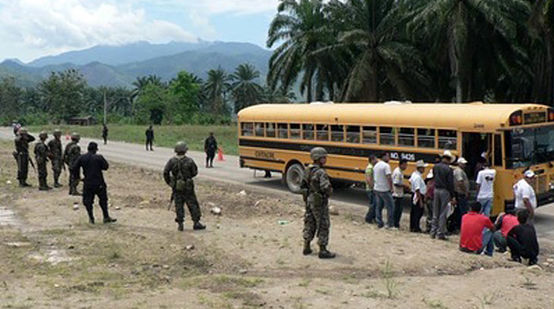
{"x":22,"y":131}
{"x":318,"y":153}
{"x":75,"y":136}
{"x":43,"y":134}
{"x":57,"y":132}
{"x":181,"y":147}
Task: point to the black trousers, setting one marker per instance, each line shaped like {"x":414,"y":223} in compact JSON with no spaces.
{"x":518,"y":251}
{"x":149,"y":143}
{"x":210,"y":155}
{"x":397,"y":212}
{"x":415,"y":216}
{"x":89,"y":192}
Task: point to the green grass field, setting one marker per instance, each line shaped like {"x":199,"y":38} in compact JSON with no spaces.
{"x":165,"y":136}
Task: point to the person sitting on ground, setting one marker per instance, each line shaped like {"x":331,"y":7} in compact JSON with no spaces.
{"x":472,"y":237}
{"x":522,"y":239}
{"x":504,"y":223}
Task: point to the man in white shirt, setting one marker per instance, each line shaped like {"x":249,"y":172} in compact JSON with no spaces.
{"x":398,"y":191}
{"x":525,"y":197}
{"x":419,"y":189}
{"x":383,"y":190}
{"x":485,"y":187}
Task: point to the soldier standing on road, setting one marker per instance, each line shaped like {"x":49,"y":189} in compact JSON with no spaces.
{"x":210,"y":147}
{"x":94,"y":185}
{"x":178,"y":174}
{"x":317,"y":188}
{"x":41,"y":157}
{"x":71,"y":154}
{"x":149,"y":138}
{"x":21,"y":154}
{"x":105,"y":133}
{"x":55,"y":146}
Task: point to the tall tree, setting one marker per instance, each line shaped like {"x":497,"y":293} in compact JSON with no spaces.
{"x":185,"y":88}
{"x":244,"y":89}
{"x":63,"y":94}
{"x":215,"y":88}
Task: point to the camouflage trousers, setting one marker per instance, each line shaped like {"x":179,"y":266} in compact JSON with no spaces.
{"x":42,"y":173}
{"x":192,"y":203}
{"x":22,"y":167}
{"x":56,"y":169}
{"x":73,"y":183}
{"x":316,"y":220}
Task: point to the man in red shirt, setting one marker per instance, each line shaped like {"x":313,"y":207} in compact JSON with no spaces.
{"x":474,"y":238}
{"x":504,"y":223}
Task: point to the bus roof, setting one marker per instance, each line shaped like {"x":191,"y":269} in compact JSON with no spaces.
{"x":469,"y":116}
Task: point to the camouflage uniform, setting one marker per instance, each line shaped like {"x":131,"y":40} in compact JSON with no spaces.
{"x":55,"y":146}
{"x":21,"y":154}
{"x":70,"y":155}
{"x":41,"y":157}
{"x":183,"y":168}
{"x":316,"y":218}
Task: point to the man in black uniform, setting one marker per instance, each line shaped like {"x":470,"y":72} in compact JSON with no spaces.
{"x":21,"y":154}
{"x":149,"y":138}
{"x":210,"y":147}
{"x":42,"y":153}
{"x":105,"y":133}
{"x":94,"y":184}
{"x":55,"y":146}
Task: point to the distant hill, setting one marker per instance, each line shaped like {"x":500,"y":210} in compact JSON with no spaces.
{"x":121,"y":65}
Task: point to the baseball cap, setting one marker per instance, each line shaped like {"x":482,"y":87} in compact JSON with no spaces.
{"x":461,"y":160}
{"x":529,"y":174}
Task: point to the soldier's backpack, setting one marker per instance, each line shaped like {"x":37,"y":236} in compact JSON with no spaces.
{"x":183,"y":182}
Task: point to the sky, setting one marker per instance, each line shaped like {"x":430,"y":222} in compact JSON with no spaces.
{"x":30,"y":29}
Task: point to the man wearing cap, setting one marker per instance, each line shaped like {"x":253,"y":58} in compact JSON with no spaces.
{"x":485,"y":187}
{"x":21,"y":154}
{"x":419,"y":189}
{"x":383,"y":191}
{"x":41,"y":157}
{"x":178,"y":174}
{"x":444,"y":193}
{"x":525,"y":197}
{"x":461,"y":187}
{"x":71,"y":153}
{"x":55,"y":146}
{"x":318,"y":187}
{"x":94,"y":185}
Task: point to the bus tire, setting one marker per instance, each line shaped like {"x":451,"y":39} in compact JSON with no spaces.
{"x":293,"y":177}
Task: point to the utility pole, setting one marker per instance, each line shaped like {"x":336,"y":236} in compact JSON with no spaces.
{"x":105,"y":106}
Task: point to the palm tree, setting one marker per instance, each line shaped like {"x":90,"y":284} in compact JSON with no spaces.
{"x":215,"y":89}
{"x":300,"y":28}
{"x":454,"y":23}
{"x":244,"y":89}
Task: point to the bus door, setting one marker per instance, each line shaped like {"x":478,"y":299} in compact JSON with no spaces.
{"x":476,"y":148}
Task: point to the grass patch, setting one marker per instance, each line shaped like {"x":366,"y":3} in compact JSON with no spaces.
{"x":165,"y":136}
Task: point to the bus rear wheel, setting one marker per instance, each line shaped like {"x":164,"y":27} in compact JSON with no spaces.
{"x":294,"y":176}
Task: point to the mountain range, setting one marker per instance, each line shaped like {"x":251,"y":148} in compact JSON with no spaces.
{"x":119,"y":66}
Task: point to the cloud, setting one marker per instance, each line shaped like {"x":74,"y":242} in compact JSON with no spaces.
{"x":59,"y":25}
{"x":211,"y":7}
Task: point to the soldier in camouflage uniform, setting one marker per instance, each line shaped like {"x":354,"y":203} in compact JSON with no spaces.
{"x":70,"y":155}
{"x":178,"y":174}
{"x":41,"y":157}
{"x":55,"y":146}
{"x":21,"y":154}
{"x":317,"y":188}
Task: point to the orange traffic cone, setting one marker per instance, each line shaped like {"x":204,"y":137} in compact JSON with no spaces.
{"x":220,"y":154}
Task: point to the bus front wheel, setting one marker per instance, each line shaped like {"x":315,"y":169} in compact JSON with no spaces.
{"x":294,"y":176}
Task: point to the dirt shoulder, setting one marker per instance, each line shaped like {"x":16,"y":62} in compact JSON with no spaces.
{"x":250,"y":256}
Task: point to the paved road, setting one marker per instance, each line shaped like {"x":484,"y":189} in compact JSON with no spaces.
{"x":229,"y":171}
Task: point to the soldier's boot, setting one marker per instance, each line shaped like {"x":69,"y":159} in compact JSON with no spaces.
{"x":57,"y":183}
{"x":43,"y":186}
{"x":325,"y":254}
{"x":307,"y":248}
{"x":24,"y":184}
{"x":180,"y":226}
{"x":198,"y":226}
{"x":110,"y":220}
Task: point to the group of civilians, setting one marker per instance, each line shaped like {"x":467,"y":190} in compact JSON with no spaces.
{"x":444,"y":194}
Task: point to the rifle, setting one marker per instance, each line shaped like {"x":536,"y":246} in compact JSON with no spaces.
{"x":171,"y":200}
{"x":32,"y":164}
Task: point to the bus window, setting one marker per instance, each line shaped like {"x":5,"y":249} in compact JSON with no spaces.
{"x":295,"y":130}
{"x":282,"y":130}
{"x":426,"y":138}
{"x":259,"y":131}
{"x":247,"y":129}
{"x":387,"y":136}
{"x":308,"y":131}
{"x":270,"y":129}
{"x":337,"y":133}
{"x":406,"y":137}
{"x":447,"y":139}
{"x":353,"y":134}
{"x":369,"y":135}
{"x":322,"y":132}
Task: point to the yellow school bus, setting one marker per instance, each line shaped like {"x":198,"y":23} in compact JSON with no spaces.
{"x":513,"y":137}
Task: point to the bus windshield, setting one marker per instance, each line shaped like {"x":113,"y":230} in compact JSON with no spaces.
{"x":525,"y":147}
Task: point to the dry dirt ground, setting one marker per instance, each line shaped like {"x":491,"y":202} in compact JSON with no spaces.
{"x":250,"y":256}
